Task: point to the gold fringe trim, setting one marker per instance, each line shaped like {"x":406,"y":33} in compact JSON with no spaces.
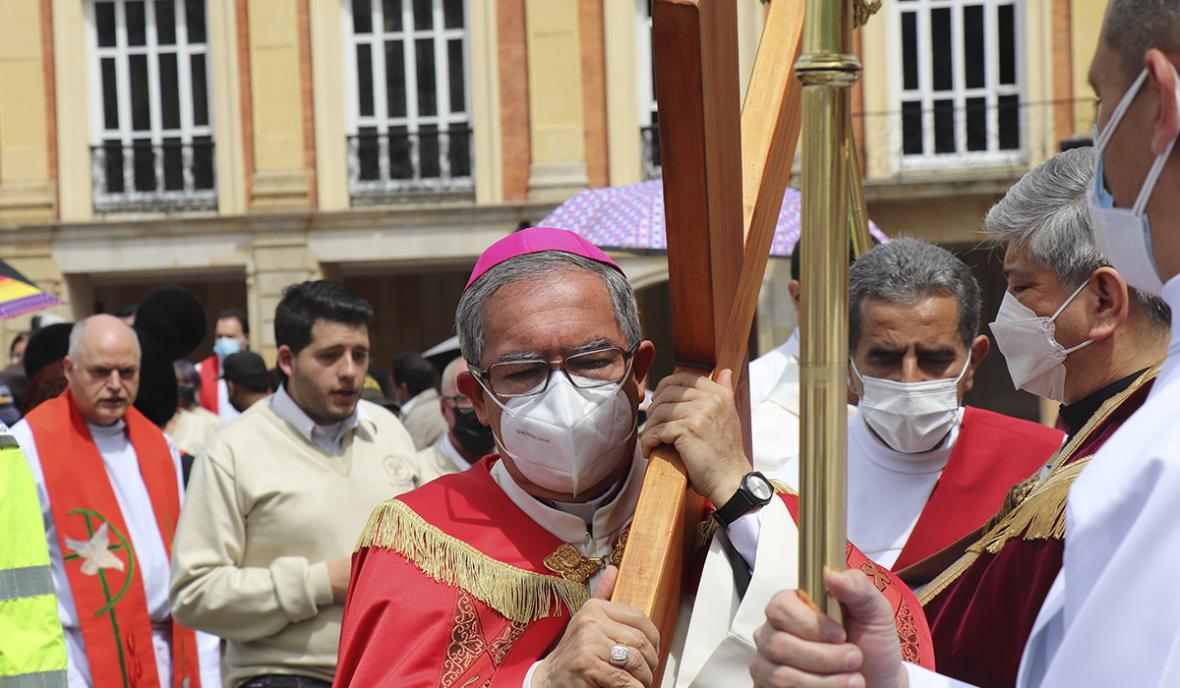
{"x":1035,"y":508}
{"x":1041,"y":516}
{"x":520,"y":596}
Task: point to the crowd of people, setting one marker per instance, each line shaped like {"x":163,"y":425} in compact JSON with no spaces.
{"x":460,"y":522}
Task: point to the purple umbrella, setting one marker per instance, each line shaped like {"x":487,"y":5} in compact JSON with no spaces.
{"x":632,"y":218}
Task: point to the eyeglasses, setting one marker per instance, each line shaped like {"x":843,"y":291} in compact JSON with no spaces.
{"x":458,"y":402}
{"x":586,"y":370}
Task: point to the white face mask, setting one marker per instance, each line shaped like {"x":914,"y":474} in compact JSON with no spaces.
{"x":567,"y":439}
{"x":1123,"y":235}
{"x":1035,"y":357}
{"x":910,"y":417}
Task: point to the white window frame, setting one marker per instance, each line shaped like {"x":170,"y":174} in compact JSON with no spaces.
{"x":647,"y":87}
{"x":991,"y":91}
{"x":130,"y":197}
{"x":385,"y":187}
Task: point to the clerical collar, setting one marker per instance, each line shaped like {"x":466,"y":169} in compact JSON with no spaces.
{"x":1077,"y":414}
{"x":890,"y":459}
{"x":112,"y":430}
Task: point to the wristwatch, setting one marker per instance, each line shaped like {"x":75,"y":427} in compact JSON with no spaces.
{"x":756,"y":491}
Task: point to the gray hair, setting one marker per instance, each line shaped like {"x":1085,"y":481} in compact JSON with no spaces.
{"x":79,"y":330}
{"x":1046,"y":214}
{"x":469,"y":323}
{"x":906,"y":270}
{"x":1135,"y":26}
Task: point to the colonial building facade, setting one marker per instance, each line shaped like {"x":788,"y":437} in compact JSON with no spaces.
{"x":236,"y":146}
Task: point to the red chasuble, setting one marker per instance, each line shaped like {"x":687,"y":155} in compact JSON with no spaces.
{"x":209,"y":371}
{"x":450,"y":587}
{"x":982,"y":609}
{"x":991,"y":454}
{"x":100,"y":559}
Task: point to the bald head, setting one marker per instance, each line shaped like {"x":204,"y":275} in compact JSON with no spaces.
{"x":450,"y":377}
{"x":102,"y":368}
{"x":101,"y":331}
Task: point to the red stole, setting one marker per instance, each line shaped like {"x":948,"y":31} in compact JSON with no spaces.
{"x":991,"y":454}
{"x":982,"y":609}
{"x":210,"y":372}
{"x":449,"y":587}
{"x":111,"y":603}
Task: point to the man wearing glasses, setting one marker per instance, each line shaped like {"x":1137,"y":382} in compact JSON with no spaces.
{"x":500,"y":575}
{"x":466,"y":441}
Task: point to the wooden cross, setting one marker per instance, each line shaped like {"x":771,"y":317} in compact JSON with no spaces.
{"x":725,"y":174}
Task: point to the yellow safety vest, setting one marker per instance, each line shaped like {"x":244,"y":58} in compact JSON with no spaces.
{"x":32,"y":647}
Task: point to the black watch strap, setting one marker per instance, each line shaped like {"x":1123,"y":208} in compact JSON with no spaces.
{"x":755,"y":491}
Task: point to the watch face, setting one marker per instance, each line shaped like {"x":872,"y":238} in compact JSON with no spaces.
{"x":759,"y":487}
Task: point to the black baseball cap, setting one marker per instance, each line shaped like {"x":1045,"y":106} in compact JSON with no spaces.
{"x":246,"y":368}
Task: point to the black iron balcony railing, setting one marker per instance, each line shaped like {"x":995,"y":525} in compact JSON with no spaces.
{"x":141,"y":175}
{"x":401,"y":166}
{"x":651,"y":151}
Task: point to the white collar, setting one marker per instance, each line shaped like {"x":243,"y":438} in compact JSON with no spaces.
{"x":894,"y":461}
{"x":447,"y":449}
{"x":417,"y":399}
{"x":286,"y":408}
{"x":609,"y":518}
{"x":791,"y":347}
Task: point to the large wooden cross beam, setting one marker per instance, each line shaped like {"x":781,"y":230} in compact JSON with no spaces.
{"x":725,"y":173}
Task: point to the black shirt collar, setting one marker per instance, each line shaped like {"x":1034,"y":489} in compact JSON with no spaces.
{"x":1077,"y":414}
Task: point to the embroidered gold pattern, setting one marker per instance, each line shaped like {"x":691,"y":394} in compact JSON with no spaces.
{"x":466,"y":643}
{"x":1040,"y":513}
{"x":575,"y":567}
{"x":907,"y":634}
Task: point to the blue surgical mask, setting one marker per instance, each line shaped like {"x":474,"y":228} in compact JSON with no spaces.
{"x":1123,"y":235}
{"x":226,"y":346}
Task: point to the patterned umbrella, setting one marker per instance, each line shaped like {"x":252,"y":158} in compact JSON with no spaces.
{"x":18,"y":295}
{"x":632,"y":218}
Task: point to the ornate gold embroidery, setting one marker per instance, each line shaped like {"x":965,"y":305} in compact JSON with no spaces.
{"x":573,"y":566}
{"x":504,"y":642}
{"x":466,"y":641}
{"x":907,"y":634}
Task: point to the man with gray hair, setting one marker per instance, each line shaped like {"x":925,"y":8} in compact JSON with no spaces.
{"x":109,"y":483}
{"x":923,"y":470}
{"x":1071,"y":331}
{"x":502,"y":573}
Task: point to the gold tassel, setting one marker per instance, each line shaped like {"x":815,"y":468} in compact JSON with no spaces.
{"x":1040,"y":516}
{"x":519,"y":595}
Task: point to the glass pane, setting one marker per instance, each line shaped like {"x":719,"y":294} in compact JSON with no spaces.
{"x":1009,"y":122}
{"x":104,"y":17}
{"x":1007,"y":47}
{"x":460,"y":151}
{"x":391,"y":12}
{"x":427,"y":88}
{"x":194,"y":11}
{"x":977,"y":124}
{"x":974,"y":62}
{"x":909,"y":49}
{"x":395,"y":79}
{"x":364,"y":79}
{"x":367,"y":153}
{"x":453,"y":14}
{"x":942,"y":62}
{"x":110,"y":94}
{"x":169,"y":91}
{"x":428,"y":152}
{"x":944,"y":126}
{"x":911,"y":128}
{"x":173,"y":165}
{"x":203,"y":162}
{"x":423,"y":14}
{"x":136,"y":22}
{"x":113,"y":151}
{"x":141,"y":106}
{"x":165,"y":22}
{"x":362,"y":17}
{"x":200,"y":91}
{"x":144,"y":166}
{"x":400,"y":164}
{"x":455,"y":69}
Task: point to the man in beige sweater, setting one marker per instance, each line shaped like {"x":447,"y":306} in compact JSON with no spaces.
{"x":276,"y":501}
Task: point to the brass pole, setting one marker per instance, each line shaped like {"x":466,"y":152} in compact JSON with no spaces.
{"x":862,"y":241}
{"x":827,"y":70}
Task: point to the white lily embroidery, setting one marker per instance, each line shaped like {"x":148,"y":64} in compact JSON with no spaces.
{"x":95,"y":553}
